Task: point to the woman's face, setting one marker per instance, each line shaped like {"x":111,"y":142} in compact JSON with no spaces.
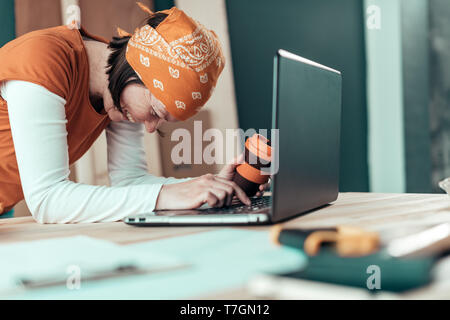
{"x":139,"y":105}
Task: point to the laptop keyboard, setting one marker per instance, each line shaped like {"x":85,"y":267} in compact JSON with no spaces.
{"x":238,"y":207}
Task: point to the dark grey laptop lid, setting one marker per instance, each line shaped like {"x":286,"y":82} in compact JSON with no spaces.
{"x":307,"y":112}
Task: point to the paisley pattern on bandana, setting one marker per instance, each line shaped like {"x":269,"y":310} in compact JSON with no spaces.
{"x":197,"y":50}
{"x":179,"y":61}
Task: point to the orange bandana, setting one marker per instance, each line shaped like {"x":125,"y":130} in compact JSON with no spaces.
{"x":179,"y":61}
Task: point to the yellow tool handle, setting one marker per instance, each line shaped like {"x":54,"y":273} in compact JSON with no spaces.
{"x":349,"y":241}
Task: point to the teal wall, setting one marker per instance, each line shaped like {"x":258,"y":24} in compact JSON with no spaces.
{"x":7,"y":25}
{"x":416,"y":94}
{"x":328,"y":31}
{"x":163,"y":4}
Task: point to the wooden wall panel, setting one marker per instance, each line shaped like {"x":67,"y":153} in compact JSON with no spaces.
{"x":170,"y":169}
{"x":101,"y":17}
{"x":222,"y":105}
{"x":98,"y":16}
{"x":34,"y":15}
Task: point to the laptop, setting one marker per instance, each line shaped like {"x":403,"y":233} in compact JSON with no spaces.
{"x":307,"y":112}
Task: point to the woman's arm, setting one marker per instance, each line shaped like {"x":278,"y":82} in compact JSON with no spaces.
{"x":38,"y":126}
{"x":126,"y":156}
{"x":127,"y":166}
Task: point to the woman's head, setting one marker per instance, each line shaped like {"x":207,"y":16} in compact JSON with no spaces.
{"x":130,"y":96}
{"x":165,"y":71}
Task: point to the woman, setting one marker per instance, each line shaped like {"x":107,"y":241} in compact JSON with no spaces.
{"x":61,"y":87}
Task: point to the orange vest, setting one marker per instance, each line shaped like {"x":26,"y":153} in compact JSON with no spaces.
{"x":56,"y":59}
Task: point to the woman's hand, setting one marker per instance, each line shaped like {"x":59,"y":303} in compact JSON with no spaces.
{"x":229,"y":170}
{"x":216,"y":191}
{"x":263,"y":187}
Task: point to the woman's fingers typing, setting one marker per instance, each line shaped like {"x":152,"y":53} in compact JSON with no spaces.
{"x":213,"y":190}
{"x":240,"y":194}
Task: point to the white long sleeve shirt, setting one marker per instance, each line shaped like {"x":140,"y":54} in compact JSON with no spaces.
{"x":38,"y":126}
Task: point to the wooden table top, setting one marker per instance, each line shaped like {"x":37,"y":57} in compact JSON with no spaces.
{"x":368,"y":210}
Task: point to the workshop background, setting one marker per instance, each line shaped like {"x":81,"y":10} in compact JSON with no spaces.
{"x":394,"y":56}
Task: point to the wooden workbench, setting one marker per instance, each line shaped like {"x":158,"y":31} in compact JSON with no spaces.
{"x":368,"y":210}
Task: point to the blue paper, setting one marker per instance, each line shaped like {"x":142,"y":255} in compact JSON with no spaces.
{"x":220,"y":260}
